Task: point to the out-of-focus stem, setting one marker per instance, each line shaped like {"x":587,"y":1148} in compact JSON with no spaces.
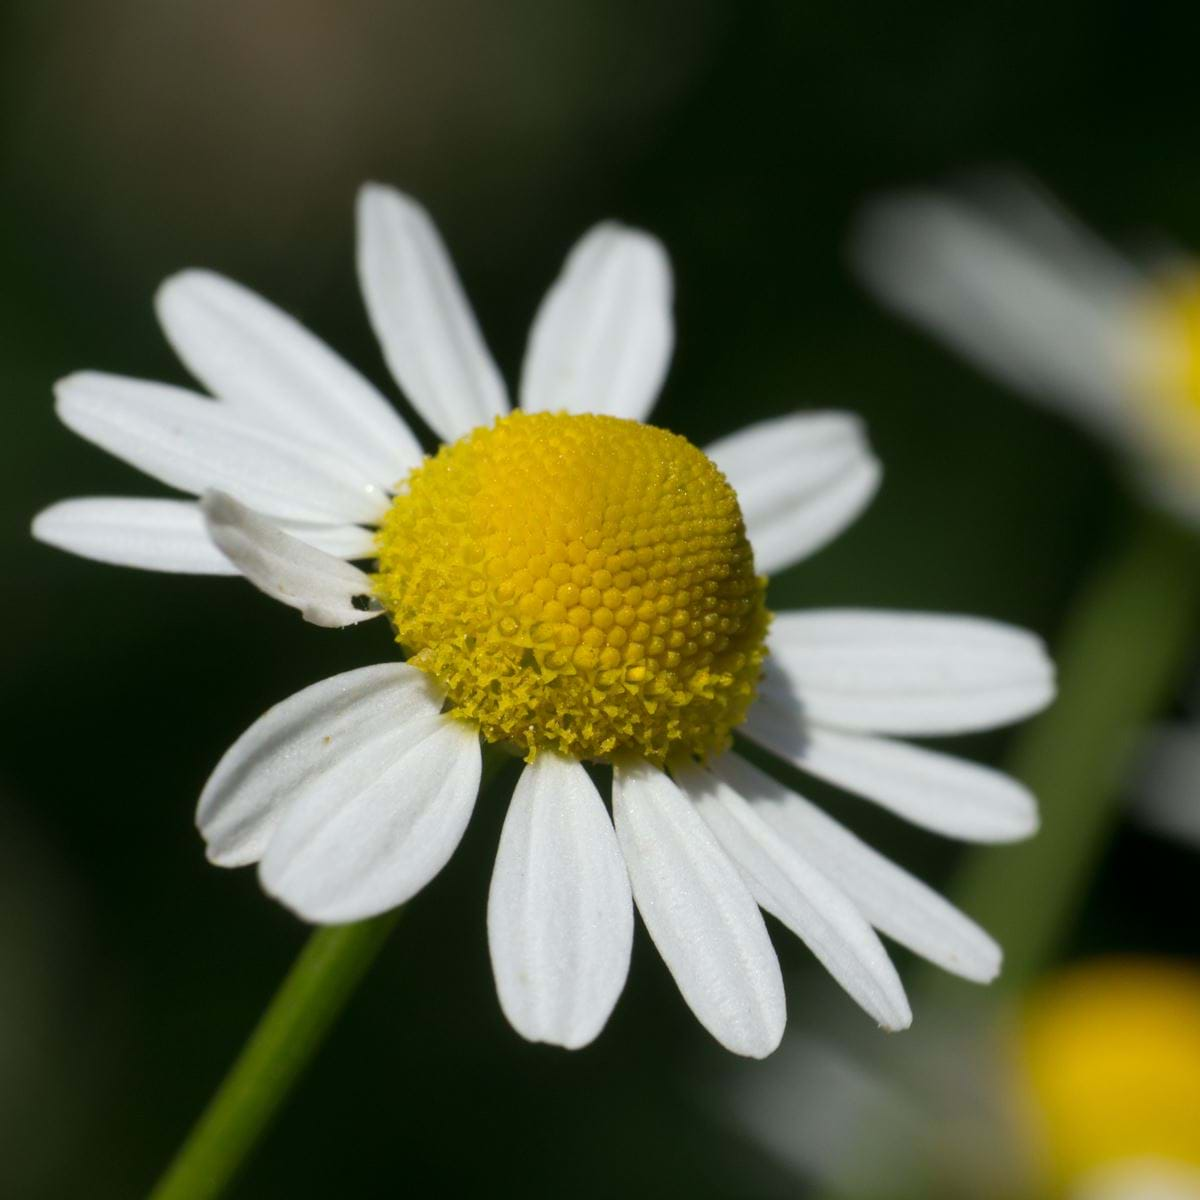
{"x":1120,"y":655}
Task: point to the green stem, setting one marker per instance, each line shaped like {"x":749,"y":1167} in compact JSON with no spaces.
{"x":288,"y":1035}
{"x":1120,"y":656}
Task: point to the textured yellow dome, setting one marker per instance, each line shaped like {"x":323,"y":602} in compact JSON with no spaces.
{"x":578,"y":583}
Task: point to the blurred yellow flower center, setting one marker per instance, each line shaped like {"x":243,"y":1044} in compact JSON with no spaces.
{"x":578,"y":583}
{"x":1112,"y":1055}
{"x":1172,"y":318}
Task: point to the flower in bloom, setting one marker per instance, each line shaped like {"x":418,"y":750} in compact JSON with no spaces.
{"x":1088,"y":1090}
{"x":1111,"y":1063}
{"x":571,"y":583}
{"x":1019,"y":287}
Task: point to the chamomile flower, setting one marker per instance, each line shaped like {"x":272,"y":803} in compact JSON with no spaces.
{"x":1111,"y":1065}
{"x":576,"y":585}
{"x":1018,"y":286}
{"x":1087,"y":1089}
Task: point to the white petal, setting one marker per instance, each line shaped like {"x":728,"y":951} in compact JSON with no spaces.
{"x":167,"y":535}
{"x":895,"y":902}
{"x":157,"y":535}
{"x":326,"y":590}
{"x":702,"y":919}
{"x":800,"y":481}
{"x":294,"y":746}
{"x":421,"y":317}
{"x":372,"y":832}
{"x":907,"y":673}
{"x":602,"y":339}
{"x":948,"y":795}
{"x":1147,"y":1177}
{"x":194,"y":444}
{"x":1022,"y":205}
{"x":1024,"y":309}
{"x":560,"y":913}
{"x":342,"y":541}
{"x":265,"y":364}
{"x":1167,"y":792}
{"x":789,"y":887}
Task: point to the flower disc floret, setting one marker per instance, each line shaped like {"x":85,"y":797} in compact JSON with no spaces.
{"x":578,"y":583}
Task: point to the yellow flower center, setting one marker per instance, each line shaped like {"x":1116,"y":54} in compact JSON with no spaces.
{"x":1170,"y":369}
{"x":578,"y":583}
{"x":1112,"y":1058}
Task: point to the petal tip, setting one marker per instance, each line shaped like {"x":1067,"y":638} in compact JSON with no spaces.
{"x":69,"y":386}
{"x":186,"y":277}
{"x":370,"y":195}
{"x":180,"y":287}
{"x":375,"y":199}
{"x":872,"y":473}
{"x":40,"y":527}
{"x":986,"y":972}
{"x":224,"y":858}
{"x":898,"y":1021}
{"x":572,"y":1039}
{"x":761,"y":1045}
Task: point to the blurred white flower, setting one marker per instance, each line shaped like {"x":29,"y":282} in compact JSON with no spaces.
{"x":1146,"y":1179}
{"x":1087,"y":1089}
{"x":1015,"y":284}
{"x":1167,"y":788}
{"x":579,"y":587}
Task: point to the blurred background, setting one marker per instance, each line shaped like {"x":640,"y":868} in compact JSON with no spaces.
{"x":138,"y":139}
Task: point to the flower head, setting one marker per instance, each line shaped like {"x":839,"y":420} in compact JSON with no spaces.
{"x":1018,"y":286}
{"x":1086,"y":1089}
{"x":571,"y":583}
{"x":578,"y":583}
{"x":1111,"y":1064}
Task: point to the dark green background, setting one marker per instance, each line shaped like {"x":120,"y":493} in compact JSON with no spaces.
{"x":137,"y":139}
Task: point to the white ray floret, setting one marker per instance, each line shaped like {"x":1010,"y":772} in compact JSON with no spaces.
{"x":157,"y":535}
{"x":699,"y":912}
{"x":328,"y":591}
{"x":602,"y":339}
{"x":1167,"y":792}
{"x":293,"y":745}
{"x":895,"y":902}
{"x":560,"y":913}
{"x":168,"y":535}
{"x":800,"y":481}
{"x":194,"y":444}
{"x":1148,"y":1178}
{"x":907,"y":673}
{"x":422,"y":318}
{"x":974,"y":277}
{"x":371,"y":833}
{"x":937,"y":791}
{"x":1016,"y":284}
{"x":264,"y":364}
{"x":787,"y":884}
